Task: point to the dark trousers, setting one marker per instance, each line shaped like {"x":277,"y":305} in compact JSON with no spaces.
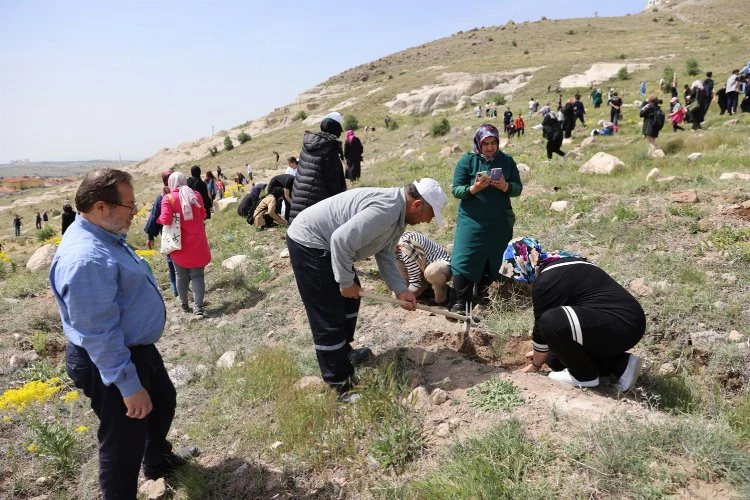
{"x":553,"y":146}
{"x":732,"y":101}
{"x":614,"y":115}
{"x":588,"y":342}
{"x":332,"y":317}
{"x":123,"y":441}
{"x":465,"y":288}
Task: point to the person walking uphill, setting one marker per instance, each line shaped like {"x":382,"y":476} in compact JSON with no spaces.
{"x":320,"y":173}
{"x":485,"y":216}
{"x":190,"y":261}
{"x":552,"y":131}
{"x":112,"y":315}
{"x":353,"y":154}
{"x":324,"y":242}
{"x":195,"y":182}
{"x":653,"y":121}
{"x":584,"y":321}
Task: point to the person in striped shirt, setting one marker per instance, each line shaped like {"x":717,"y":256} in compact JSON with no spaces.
{"x":422,"y":263}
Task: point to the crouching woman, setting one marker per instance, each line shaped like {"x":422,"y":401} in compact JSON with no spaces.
{"x":584,"y":321}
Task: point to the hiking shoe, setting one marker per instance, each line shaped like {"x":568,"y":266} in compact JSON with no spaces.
{"x":199,"y":314}
{"x":359,"y":356}
{"x":185,"y":308}
{"x":630,"y":375}
{"x":170,"y":461}
{"x":565,"y":377}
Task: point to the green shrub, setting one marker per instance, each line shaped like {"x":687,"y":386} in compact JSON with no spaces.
{"x":513,"y":43}
{"x":495,"y":394}
{"x":499,"y":100}
{"x":392,"y":125}
{"x":45,"y":233}
{"x":301,"y":115}
{"x":351,"y":122}
{"x":570,"y":32}
{"x":242,"y":137}
{"x":623,"y":74}
{"x":440,"y":128}
{"x":668,"y":73}
{"x":691,"y":65}
{"x":228,"y":145}
{"x":213,"y":150}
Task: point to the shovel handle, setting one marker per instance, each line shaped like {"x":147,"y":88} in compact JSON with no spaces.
{"x":436,"y":310}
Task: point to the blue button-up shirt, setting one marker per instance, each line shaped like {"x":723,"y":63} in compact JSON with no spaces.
{"x":108,"y":298}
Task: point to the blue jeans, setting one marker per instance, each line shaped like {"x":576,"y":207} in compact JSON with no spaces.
{"x":123,"y":441}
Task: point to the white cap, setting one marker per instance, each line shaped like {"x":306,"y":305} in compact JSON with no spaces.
{"x":433,"y":194}
{"x":335,"y":115}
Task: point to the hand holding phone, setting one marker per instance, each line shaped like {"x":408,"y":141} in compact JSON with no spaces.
{"x":496,"y":174}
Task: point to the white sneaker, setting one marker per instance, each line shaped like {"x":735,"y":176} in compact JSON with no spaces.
{"x":565,"y":377}
{"x":630,"y":375}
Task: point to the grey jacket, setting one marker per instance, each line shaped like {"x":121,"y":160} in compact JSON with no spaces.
{"x":354,"y":225}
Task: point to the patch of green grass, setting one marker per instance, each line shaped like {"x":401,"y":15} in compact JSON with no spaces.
{"x":495,"y":394}
{"x":500,"y":465}
{"x":729,"y":364}
{"x":624,"y":212}
{"x":738,"y":416}
{"x":23,"y":284}
{"x":675,"y":393}
{"x":633,"y":459}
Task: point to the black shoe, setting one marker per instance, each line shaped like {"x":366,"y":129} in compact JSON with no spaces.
{"x":170,"y":461}
{"x":359,"y":356}
{"x":459,"y":307}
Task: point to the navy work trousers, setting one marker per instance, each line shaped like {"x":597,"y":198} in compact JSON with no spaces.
{"x":332,"y":317}
{"x":123,"y":441}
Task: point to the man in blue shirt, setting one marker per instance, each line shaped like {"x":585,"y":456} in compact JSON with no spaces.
{"x":112,"y":314}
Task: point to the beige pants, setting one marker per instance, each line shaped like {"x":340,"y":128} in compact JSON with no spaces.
{"x":437,"y":274}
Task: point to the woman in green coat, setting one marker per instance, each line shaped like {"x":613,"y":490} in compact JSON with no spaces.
{"x":485,"y":216}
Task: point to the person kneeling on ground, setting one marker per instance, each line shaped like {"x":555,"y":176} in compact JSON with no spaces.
{"x":422,"y":263}
{"x":606,"y":128}
{"x":325,"y":240}
{"x":584,"y":321}
{"x":265,"y":215}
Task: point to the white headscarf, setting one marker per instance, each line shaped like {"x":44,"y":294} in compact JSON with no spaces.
{"x":187,"y":195}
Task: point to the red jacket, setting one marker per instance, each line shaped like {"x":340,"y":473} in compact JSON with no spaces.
{"x":195,"y":251}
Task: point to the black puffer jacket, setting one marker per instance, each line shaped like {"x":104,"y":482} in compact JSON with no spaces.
{"x":551,"y":129}
{"x":647,"y":113}
{"x":320,"y":174}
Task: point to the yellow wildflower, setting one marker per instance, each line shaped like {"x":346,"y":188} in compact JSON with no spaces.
{"x":4,"y":257}
{"x":81,"y":428}
{"x":35,"y":391}
{"x":55,"y":240}
{"x":146,"y":253}
{"x":6,"y":419}
{"x":69,"y":397}
{"x":33,"y":448}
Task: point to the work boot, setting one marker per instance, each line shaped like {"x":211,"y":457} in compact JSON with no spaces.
{"x":359,"y":356}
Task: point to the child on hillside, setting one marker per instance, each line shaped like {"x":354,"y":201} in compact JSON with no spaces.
{"x":519,"y":124}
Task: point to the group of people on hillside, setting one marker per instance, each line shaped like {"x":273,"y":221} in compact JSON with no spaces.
{"x":584,"y":321}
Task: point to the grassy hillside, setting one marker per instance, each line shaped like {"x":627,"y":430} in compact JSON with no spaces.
{"x":684,"y":432}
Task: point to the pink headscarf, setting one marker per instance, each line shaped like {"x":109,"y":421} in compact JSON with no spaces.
{"x":349,"y":136}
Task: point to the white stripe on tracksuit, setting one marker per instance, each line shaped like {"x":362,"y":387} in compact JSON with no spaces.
{"x":575,"y":325}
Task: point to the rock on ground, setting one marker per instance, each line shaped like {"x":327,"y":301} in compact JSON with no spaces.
{"x":224,"y":203}
{"x":234,"y":262}
{"x":658,"y":153}
{"x":153,"y":489}
{"x":602,"y":163}
{"x":687,"y":196}
{"x":42,"y":258}
{"x":560,"y":206}
{"x":653,"y":175}
{"x":227,"y":359}
{"x":695,"y":156}
{"x":734,"y":176}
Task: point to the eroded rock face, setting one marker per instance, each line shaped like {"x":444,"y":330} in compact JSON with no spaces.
{"x":453,"y":88}
{"x":42,"y":258}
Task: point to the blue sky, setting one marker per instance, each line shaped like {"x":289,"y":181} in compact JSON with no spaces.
{"x":84,"y":80}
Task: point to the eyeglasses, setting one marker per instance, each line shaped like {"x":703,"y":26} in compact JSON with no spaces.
{"x":132,"y":208}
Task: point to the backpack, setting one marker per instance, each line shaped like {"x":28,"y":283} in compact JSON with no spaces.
{"x":659,"y":119}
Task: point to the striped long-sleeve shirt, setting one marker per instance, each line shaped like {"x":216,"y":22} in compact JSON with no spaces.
{"x":417,"y":252}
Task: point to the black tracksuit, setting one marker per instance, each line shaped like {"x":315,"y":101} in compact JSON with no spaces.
{"x":584,"y":319}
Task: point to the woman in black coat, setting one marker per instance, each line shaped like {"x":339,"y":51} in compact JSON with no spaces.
{"x":569,"y":118}
{"x":320,"y":173}
{"x":649,"y":129}
{"x":353,"y":154}
{"x":552,"y":132}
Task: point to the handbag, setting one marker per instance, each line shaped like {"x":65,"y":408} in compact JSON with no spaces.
{"x":171,"y":239}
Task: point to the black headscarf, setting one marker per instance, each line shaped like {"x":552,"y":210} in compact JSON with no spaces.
{"x":331,"y":126}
